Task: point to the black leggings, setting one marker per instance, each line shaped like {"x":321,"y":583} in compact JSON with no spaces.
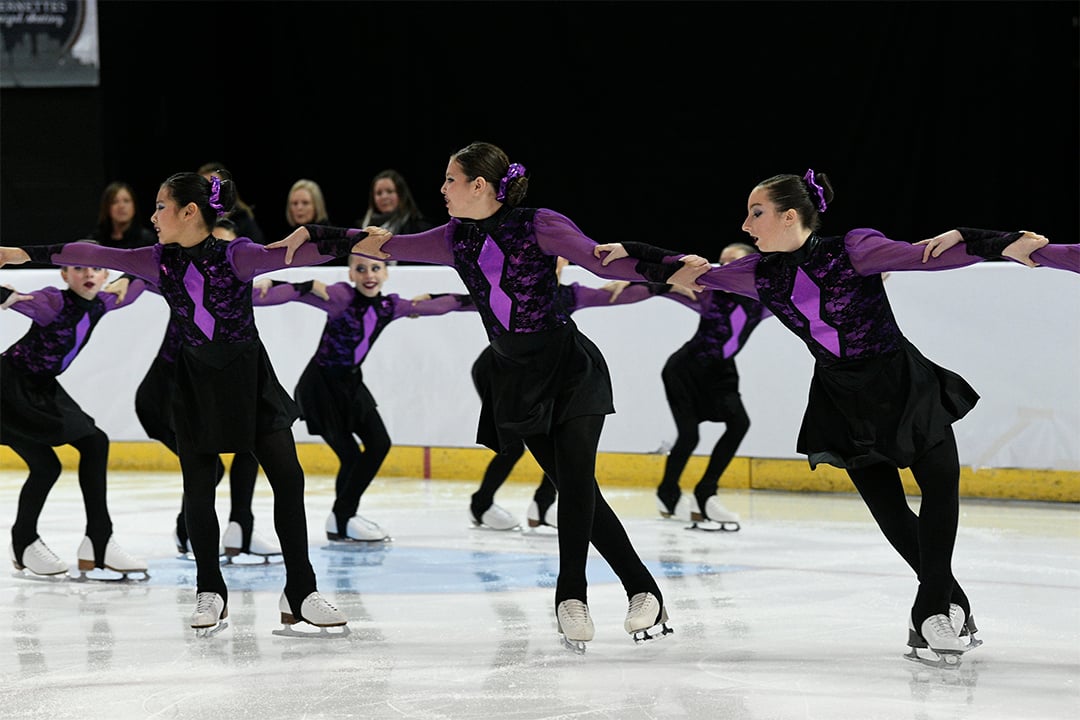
{"x":926,"y":540}
{"x":357,"y":467}
{"x":736,"y":425}
{"x":276,"y":452}
{"x":243,"y":472}
{"x":495,"y":475}
{"x":45,"y":469}
{"x":568,"y":456}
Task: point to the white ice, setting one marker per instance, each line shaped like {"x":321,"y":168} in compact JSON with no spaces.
{"x":801,"y":614}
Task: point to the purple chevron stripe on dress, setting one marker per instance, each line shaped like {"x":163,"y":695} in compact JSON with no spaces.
{"x":195,"y":283}
{"x":737,"y":320}
{"x":491,"y":262}
{"x":807,"y":297}
{"x":82,"y":328}
{"x":370,"y":318}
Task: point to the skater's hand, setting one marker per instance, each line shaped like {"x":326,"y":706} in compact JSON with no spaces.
{"x":292,"y":241}
{"x":684,"y":291}
{"x":13,"y":298}
{"x":694,"y":266}
{"x":119,"y":288}
{"x":615,"y":287}
{"x":12,"y":256}
{"x":1021,"y":249}
{"x":614,"y":251}
{"x":939,"y":243}
{"x":371,"y":245}
{"x":263,"y":285}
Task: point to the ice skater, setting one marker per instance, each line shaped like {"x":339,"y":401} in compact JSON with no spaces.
{"x":543,"y":510}
{"x":37,"y":414}
{"x":701,"y":383}
{"x":333,"y":399}
{"x":875,"y":403}
{"x":548,"y":384}
{"x":228,"y":398}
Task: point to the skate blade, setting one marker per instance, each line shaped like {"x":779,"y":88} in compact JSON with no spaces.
{"x":342,"y":540}
{"x":930,"y":658}
{"x":28,"y":574}
{"x":107,"y":575}
{"x":575,"y":646}
{"x":714,"y":526}
{"x":641,"y":636}
{"x":209,"y":632}
{"x":244,"y":559}
{"x":488,"y":528}
{"x":336,"y":632}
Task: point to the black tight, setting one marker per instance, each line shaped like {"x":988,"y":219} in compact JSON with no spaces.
{"x":568,"y":456}
{"x":243,"y":472}
{"x":276,"y":452}
{"x":495,"y":475}
{"x":357,"y":467}
{"x":926,"y":540}
{"x":45,"y":469}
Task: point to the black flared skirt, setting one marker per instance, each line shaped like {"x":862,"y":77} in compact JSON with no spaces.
{"x":333,"y":401}
{"x":227,"y":395}
{"x":37,"y":409}
{"x":707,"y":391}
{"x":535,"y":381}
{"x":889,"y":409}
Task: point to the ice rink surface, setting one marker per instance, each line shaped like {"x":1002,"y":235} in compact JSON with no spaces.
{"x":801,"y":614}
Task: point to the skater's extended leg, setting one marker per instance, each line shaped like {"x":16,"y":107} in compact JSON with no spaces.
{"x":736,"y":425}
{"x":93,"y":467}
{"x":276,"y":453}
{"x":45,"y":468}
{"x":200,"y":516}
{"x":937,"y":473}
{"x":498,"y":469}
{"x":686,"y":425}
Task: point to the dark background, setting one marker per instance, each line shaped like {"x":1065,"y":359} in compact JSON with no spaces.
{"x":639,"y":120}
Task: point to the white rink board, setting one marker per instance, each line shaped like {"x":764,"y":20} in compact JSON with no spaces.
{"x":1013,"y":333}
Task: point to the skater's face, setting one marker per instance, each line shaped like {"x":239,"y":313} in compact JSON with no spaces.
{"x":367,"y":275}
{"x":86,"y":282}
{"x":174,"y":224}
{"x":769,"y":228}
{"x":466,"y":198}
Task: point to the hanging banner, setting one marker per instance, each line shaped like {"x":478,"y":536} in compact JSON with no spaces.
{"x":48,"y":43}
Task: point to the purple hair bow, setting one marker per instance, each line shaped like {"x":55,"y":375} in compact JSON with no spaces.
{"x":515,"y":170}
{"x":215,"y":195}
{"x":818,"y":190}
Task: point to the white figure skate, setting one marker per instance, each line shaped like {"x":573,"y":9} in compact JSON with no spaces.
{"x":550,"y":518}
{"x":358,"y":529}
{"x":209,"y":616}
{"x":684,"y":508}
{"x":716,"y":518}
{"x":117,"y":560}
{"x":315,"y":611}
{"x":575,"y":624}
{"x":644,"y":614}
{"x":495,"y":518}
{"x":38,"y":562}
{"x":259,"y":551}
{"x":938,"y":644}
{"x":964,"y":626}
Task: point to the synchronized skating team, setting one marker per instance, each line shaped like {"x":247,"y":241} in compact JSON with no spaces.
{"x":875,"y":403}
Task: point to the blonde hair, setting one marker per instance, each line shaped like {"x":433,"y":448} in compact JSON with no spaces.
{"x":321,"y":216}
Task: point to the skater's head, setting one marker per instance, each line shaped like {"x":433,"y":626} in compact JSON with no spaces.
{"x":784,"y":210}
{"x":188,"y":205}
{"x":224,"y":229}
{"x":86,"y":282}
{"x":367,"y":275}
{"x":734,"y":251}
{"x":479,"y":179}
